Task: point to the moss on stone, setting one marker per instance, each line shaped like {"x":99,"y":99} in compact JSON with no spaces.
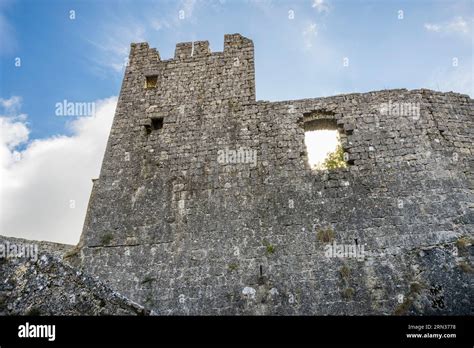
{"x":325,"y":235}
{"x":466,"y":267}
{"x":233,"y":267}
{"x":270,"y":249}
{"x":463,"y":242}
{"x":345,"y":272}
{"x":106,"y":239}
{"x":348,"y":293}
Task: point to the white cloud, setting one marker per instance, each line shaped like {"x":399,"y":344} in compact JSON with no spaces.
{"x":457,"y":25}
{"x":188,"y":7}
{"x":432,"y":27}
{"x":8,"y":41}
{"x":309,"y":34}
{"x":115,"y":46}
{"x":39,"y":183}
{"x":12,"y":133}
{"x":456,"y":79}
{"x":159,"y":24}
{"x":13,"y":130}
{"x":11,"y":105}
{"x":320,"y":5}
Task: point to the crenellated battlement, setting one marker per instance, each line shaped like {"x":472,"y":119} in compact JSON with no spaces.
{"x":236,"y":42}
{"x":233,"y":44}
{"x":192,"y":49}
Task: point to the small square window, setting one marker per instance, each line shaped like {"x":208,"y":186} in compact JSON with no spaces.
{"x":151,"y":81}
{"x":156,"y":123}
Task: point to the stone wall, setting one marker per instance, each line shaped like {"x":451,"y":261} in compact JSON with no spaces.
{"x":175,"y":226}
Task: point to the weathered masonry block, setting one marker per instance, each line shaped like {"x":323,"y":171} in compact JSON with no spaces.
{"x":182,"y":229}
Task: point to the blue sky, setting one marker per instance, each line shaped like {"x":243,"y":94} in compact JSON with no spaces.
{"x":296,"y":58}
{"x":47,"y":161}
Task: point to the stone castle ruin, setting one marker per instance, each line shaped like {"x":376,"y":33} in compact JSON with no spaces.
{"x":206,"y":203}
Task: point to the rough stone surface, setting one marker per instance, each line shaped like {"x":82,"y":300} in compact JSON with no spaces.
{"x":177,"y":230}
{"x":45,"y":285}
{"x":172,"y":227}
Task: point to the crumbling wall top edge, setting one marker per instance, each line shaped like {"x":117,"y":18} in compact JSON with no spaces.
{"x":422,"y":91}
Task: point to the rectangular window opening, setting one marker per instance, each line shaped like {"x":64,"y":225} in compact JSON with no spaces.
{"x":323,"y":144}
{"x":151,"y":81}
{"x":156,"y":123}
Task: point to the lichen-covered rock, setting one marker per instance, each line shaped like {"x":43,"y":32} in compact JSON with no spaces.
{"x":206,"y":203}
{"x":45,"y":285}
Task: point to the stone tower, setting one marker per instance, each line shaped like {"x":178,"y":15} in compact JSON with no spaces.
{"x":205,"y":202}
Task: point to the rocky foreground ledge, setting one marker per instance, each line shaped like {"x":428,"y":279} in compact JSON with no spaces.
{"x":38,"y":278}
{"x":35,"y":280}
